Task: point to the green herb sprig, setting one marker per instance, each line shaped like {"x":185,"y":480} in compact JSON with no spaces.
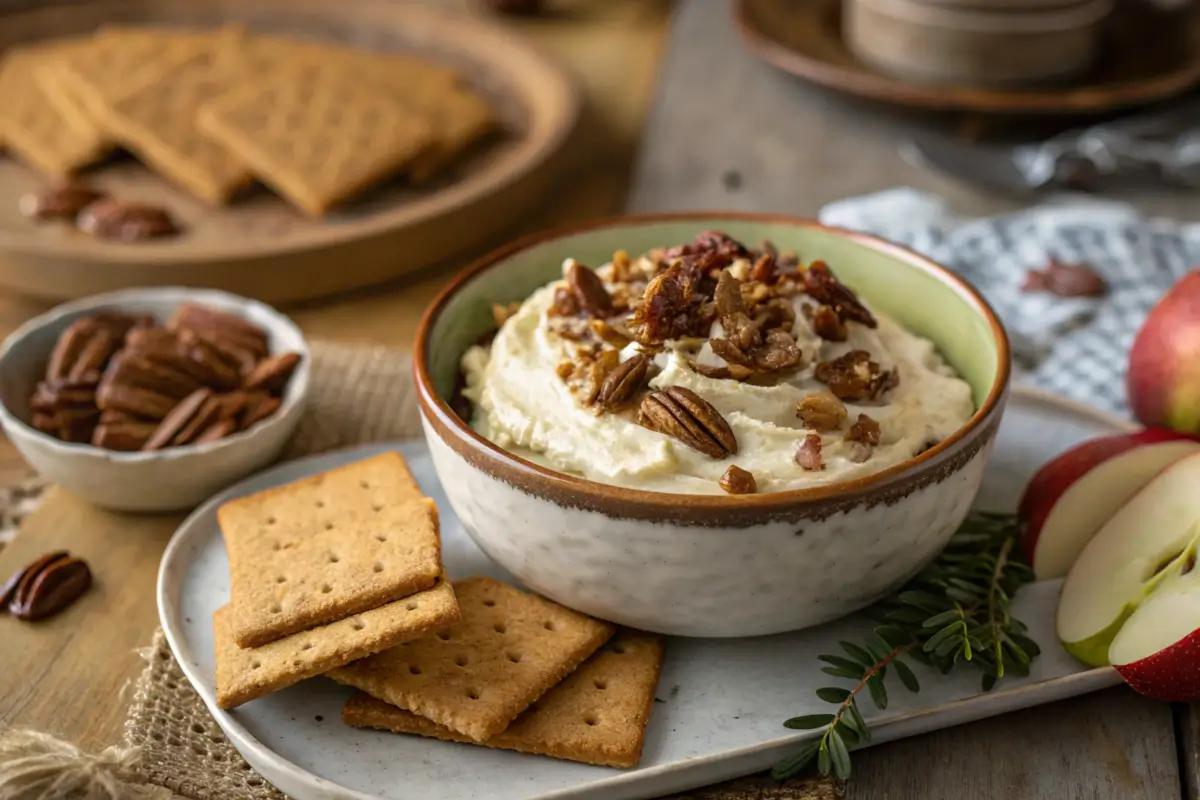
{"x":957,"y":610}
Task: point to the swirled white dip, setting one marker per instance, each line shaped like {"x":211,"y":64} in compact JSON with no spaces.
{"x":522,"y":405}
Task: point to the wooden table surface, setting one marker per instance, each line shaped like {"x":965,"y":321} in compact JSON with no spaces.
{"x":1114,"y":744}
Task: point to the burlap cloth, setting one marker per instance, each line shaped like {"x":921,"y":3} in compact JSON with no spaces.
{"x":358,"y":395}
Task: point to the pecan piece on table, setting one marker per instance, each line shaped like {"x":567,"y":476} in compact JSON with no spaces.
{"x":854,"y":376}
{"x":59,"y":202}
{"x":738,"y":481}
{"x":821,"y":411}
{"x":823,"y":286}
{"x":623,"y":382}
{"x":684,"y":415}
{"x":808,"y":453}
{"x":1066,"y":280}
{"x":588,"y":290}
{"x":125,"y":222}
{"x":46,"y":587}
{"x":864,"y":430}
{"x":828,"y":325}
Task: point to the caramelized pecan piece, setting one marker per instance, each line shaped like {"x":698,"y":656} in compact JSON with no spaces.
{"x":865,"y":430}
{"x":738,"y":481}
{"x":684,"y":415}
{"x":808,"y":453}
{"x":779,"y":352}
{"x":855,"y":376}
{"x":823,"y":285}
{"x":735,"y":372}
{"x":609,"y":334}
{"x":828,"y":325}
{"x":623,"y":382}
{"x":588,"y":290}
{"x":565,"y":304}
{"x":663,"y":312}
{"x":821,"y":411}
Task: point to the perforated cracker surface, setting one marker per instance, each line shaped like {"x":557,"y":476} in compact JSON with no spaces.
{"x":509,"y":649}
{"x":326,"y":547}
{"x":598,"y":715}
{"x":245,"y":674}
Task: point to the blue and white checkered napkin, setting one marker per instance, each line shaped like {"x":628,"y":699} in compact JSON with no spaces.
{"x":1077,"y":348}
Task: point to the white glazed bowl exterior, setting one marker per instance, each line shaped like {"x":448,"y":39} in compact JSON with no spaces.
{"x":167,"y":480}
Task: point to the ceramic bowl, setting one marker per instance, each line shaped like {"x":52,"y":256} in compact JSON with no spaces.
{"x":172,"y":479}
{"x":713,"y":565}
{"x":931,"y":43}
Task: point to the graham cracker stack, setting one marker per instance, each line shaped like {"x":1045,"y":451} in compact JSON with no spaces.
{"x":33,"y":128}
{"x":509,"y":649}
{"x":316,"y":135}
{"x":598,"y":715}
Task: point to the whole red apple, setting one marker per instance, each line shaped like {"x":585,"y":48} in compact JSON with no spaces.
{"x":1163,"y":381}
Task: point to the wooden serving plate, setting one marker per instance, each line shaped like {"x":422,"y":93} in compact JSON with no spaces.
{"x":804,"y":38}
{"x":262,"y":247}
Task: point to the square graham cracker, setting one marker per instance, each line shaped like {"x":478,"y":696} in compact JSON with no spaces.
{"x":316,"y":134}
{"x":598,"y":715}
{"x":243,"y":675}
{"x":328,"y":546}
{"x":509,"y":649}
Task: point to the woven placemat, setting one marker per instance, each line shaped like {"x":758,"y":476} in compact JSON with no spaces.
{"x":358,"y":395}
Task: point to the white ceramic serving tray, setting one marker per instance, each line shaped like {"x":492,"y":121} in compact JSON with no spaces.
{"x":722,"y":702}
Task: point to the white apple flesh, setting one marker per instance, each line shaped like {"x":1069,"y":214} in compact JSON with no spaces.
{"x":1070,"y":498}
{"x":1157,"y":650}
{"x":1144,"y":546}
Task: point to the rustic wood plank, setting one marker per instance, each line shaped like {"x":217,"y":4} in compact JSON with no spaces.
{"x":1187,"y":727}
{"x":1115,"y":744}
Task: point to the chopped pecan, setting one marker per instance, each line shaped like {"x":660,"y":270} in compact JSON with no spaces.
{"x":775,"y":313}
{"x":735,"y":372}
{"x":779,"y":352}
{"x":738,"y":481}
{"x":821,"y":411}
{"x":684,"y":415}
{"x":765,"y":269}
{"x":855,"y":376}
{"x":565,"y":369}
{"x":501,"y":313}
{"x":730,"y":353}
{"x":589,"y":290}
{"x":663,"y":312}
{"x":829,"y":325}
{"x":609,"y":334}
{"x":1066,"y":280}
{"x":722,"y":244}
{"x":565,"y":304}
{"x":865,"y":430}
{"x":823,"y":285}
{"x":621,"y":267}
{"x":623,"y":382}
{"x":808,"y":453}
{"x":591,"y":376}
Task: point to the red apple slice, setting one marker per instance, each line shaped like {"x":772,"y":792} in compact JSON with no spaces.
{"x":1158,"y":648}
{"x":1147,"y":546}
{"x":1069,"y":498}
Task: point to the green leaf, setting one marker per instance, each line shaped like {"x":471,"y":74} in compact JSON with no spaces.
{"x":924,"y":601}
{"x":960,"y":596}
{"x":951,"y":645}
{"x":823,"y":756}
{"x":848,"y":734}
{"x":787,"y":768}
{"x":878,"y":692}
{"x":951,"y":631}
{"x":943,"y":619}
{"x":833,"y":694}
{"x":859,"y":722}
{"x":855,"y":673}
{"x":844,"y":663}
{"x":808,"y":722}
{"x":879,"y":647}
{"x":906,"y":676}
{"x":1026,"y":644}
{"x":907,"y":616}
{"x":839,"y":755}
{"x":858,"y":654}
{"x":894,"y":635}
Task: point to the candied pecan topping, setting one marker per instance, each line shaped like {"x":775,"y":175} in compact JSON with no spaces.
{"x":821,"y":411}
{"x":743,"y":343}
{"x":765,"y":269}
{"x":735,"y":372}
{"x":808,"y":453}
{"x":775,"y":313}
{"x":501,"y":313}
{"x":684,"y":415}
{"x":865,"y":430}
{"x":623,"y":382}
{"x":828,"y":324}
{"x":609,"y":334}
{"x":738,"y":481}
{"x":722,"y":243}
{"x":592,"y":376}
{"x":823,"y":285}
{"x":622,"y":267}
{"x":565,"y":304}
{"x":588,"y":290}
{"x":855,"y":376}
{"x":779,"y":352}
{"x":1066,"y":280}
{"x":565,"y":369}
{"x":663,"y":313}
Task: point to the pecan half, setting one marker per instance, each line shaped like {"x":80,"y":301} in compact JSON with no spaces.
{"x":684,"y":415}
{"x":1066,"y":280}
{"x":623,"y":382}
{"x":218,"y":430}
{"x":123,"y":436}
{"x":821,"y":411}
{"x":46,"y":587}
{"x":220,"y":326}
{"x":808,"y":453}
{"x":738,"y":481}
{"x":588,"y":290}
{"x":865,"y":430}
{"x":131,"y":368}
{"x":823,"y":285}
{"x":125,"y":222}
{"x":272,"y":373}
{"x":854,"y":376}
{"x":178,"y":419}
{"x":828,"y":325}
{"x":259,"y":410}
{"x":132,"y":400}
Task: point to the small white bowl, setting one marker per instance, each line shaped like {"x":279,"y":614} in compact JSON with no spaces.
{"x":172,"y":479}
